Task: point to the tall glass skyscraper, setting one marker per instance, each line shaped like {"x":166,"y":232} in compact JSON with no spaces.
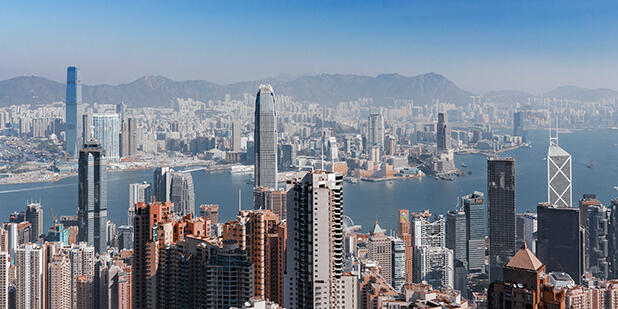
{"x":559,"y":190}
{"x":73,"y":111}
{"x":92,"y":197}
{"x":265,"y":137}
{"x":474,"y":207}
{"x":107,"y":132}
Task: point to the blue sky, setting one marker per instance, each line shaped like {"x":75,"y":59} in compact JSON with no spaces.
{"x":480,"y":45}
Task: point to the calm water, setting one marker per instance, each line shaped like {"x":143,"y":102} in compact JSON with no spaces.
{"x":365,"y":202}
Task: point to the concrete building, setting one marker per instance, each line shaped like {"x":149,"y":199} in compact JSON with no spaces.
{"x":183,"y":194}
{"x":403,"y":232}
{"x":380,"y":251}
{"x":59,"y":282}
{"x":30,"y":286}
{"x":265,"y":137}
{"x":595,"y":219}
{"x":501,"y":210}
{"x":443,"y":134}
{"x":315,"y":242}
{"x":128,"y":138}
{"x":211,"y":212}
{"x":456,"y":234}
{"x":34,"y":215}
{"x":274,"y":200}
{"x":236,"y":135}
{"x":375,"y":131}
{"x":92,"y":211}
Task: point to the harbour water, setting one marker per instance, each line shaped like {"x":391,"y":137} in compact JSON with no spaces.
{"x":364,"y":202}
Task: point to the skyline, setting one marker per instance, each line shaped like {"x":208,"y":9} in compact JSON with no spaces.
{"x":533,"y":48}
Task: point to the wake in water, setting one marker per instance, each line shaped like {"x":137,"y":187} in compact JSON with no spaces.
{"x":36,"y":188}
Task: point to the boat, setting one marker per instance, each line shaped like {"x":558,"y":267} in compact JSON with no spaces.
{"x":436,"y":178}
{"x":463,"y":164}
{"x":469,"y":172}
{"x":390,"y":182}
{"x":616,"y":188}
{"x":591,"y":165}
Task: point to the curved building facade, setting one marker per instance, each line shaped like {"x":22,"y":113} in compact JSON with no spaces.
{"x":265,"y":137}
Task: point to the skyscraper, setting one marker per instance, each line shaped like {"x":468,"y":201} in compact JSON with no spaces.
{"x":236,"y":136}
{"x":403,"y":231}
{"x":5,"y":264}
{"x":433,"y":261}
{"x":30,"y":291}
{"x":267,"y":198}
{"x":34,"y":215}
{"x":73,"y":111}
{"x":59,"y":282}
{"x":595,"y":219}
{"x":315,"y":242}
{"x":456,"y":234}
{"x":501,"y":209}
{"x":559,"y":190}
{"x":476,"y":223}
{"x":92,"y":211}
{"x":443,"y":134}
{"x":518,"y":125}
{"x":183,"y":195}
{"x":375,"y":130}
{"x":398,"y":263}
{"x":128,"y":132}
{"x":380,"y":250}
{"x":138,"y":192}
{"x":561,"y":251}
{"x":162,"y":184}
{"x":107,"y":134}
{"x":265,"y":137}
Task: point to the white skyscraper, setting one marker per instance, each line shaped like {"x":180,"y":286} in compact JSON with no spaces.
{"x":138,"y":192}
{"x":107,"y":133}
{"x":559,"y":178}
{"x":315,"y":241}
{"x":29,"y":289}
{"x":265,"y":138}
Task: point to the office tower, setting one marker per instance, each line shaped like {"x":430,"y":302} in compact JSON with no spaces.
{"x":333,"y":151}
{"x":428,"y":233}
{"x":236,"y":135}
{"x":5,"y":264}
{"x":274,"y":200}
{"x":501,"y":210}
{"x":162,"y":184}
{"x":59,"y":282}
{"x":403,"y":231}
{"x":456,"y":234}
{"x":474,"y":209}
{"x":253,"y":230}
{"x":595,"y":219}
{"x":128,"y":133}
{"x":34,"y":215}
{"x":265,"y":138}
{"x":211,"y":212}
{"x":561,"y":251}
{"x":29,"y":261}
{"x":106,"y":131}
{"x":73,"y":111}
{"x":390,"y":145}
{"x":518,"y":125}
{"x":559,"y":190}
{"x":375,"y":130}
{"x":379,"y":250}
{"x":92,"y":211}
{"x":229,"y":277}
{"x":315,"y":210}
{"x":613,"y":236}
{"x":287,"y":156}
{"x":86,"y":128}
{"x":183,"y":194}
{"x":525,"y":285}
{"x":125,"y":237}
{"x":145,"y":253}
{"x":435,"y":266}
{"x":138,"y":192}
{"x":526,"y":227}
{"x":443,"y":134}
{"x":398,"y":263}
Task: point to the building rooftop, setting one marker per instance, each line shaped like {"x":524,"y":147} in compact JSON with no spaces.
{"x":525,"y":259}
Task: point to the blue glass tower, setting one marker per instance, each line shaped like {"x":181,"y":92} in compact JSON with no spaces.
{"x":265,"y":137}
{"x":73,"y":115}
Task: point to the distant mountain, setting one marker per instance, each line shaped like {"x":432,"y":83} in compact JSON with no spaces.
{"x":508,"y":96}
{"x":582,"y":94}
{"x":325,"y":88}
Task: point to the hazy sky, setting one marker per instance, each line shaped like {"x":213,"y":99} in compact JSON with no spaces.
{"x":480,"y":45}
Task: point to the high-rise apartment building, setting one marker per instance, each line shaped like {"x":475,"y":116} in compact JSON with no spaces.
{"x":443,"y":133}
{"x":315,"y":242}
{"x":82,"y":257}
{"x":456,"y":234}
{"x":403,"y":231}
{"x":236,"y":136}
{"x":563,"y":251}
{"x":613,"y":236}
{"x":74,"y":108}
{"x":265,"y":137}
{"x":106,"y":129}
{"x":29,"y":288}
{"x":375,"y":130}
{"x":59,"y":282}
{"x":5,"y":264}
{"x":138,"y":192}
{"x":559,"y":181}
{"x":501,"y":210}
{"x":595,"y":219}
{"x":211,"y":212}
{"x":92,"y":211}
{"x":162,"y":184}
{"x":380,"y":251}
{"x":183,"y":194}
{"x":476,"y":230}
{"x":34,"y":215}
{"x":274,"y":200}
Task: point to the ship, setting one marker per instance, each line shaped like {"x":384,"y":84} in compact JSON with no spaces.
{"x":463,"y":164}
{"x":616,"y":188}
{"x":590,"y":165}
{"x":469,"y":172}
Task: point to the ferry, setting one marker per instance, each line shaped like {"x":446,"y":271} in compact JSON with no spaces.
{"x":463,"y":165}
{"x":616,"y":188}
{"x":590,"y":165}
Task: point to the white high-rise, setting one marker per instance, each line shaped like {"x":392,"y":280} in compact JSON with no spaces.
{"x":315,"y":241}
{"x":29,"y":290}
{"x":138,"y":192}
{"x":107,"y":133}
{"x":265,"y":138}
{"x":375,"y":131}
{"x":559,"y":178}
